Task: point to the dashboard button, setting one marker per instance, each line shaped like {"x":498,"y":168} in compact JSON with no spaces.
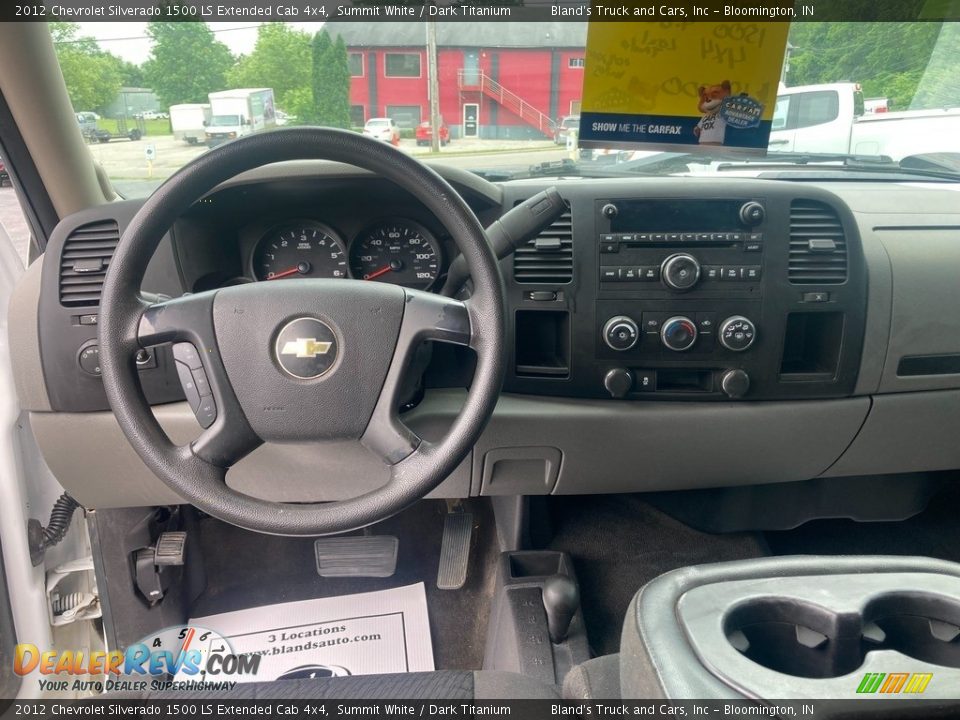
{"x":815,"y":297}
{"x":609,"y":272}
{"x":730,"y":273}
{"x":753,"y":246}
{"x":658,"y":237}
{"x":89,"y":358}
{"x":706,"y":321}
{"x":673,"y":237}
{"x":608,"y":238}
{"x":609,"y":247}
{"x":189,"y":385}
{"x":186,"y":353}
{"x":651,"y":273}
{"x":688,"y":237}
{"x":627,"y":237}
{"x":642,"y":237}
{"x":629,"y":273}
{"x":751,"y":272}
{"x":704,"y":237}
{"x":88,"y":320}
{"x":645,"y":380}
{"x":207,"y":412}
{"x":710,"y":272}
{"x":652,"y":321}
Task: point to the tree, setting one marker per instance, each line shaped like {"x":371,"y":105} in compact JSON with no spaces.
{"x":92,"y":76}
{"x":331,"y":81}
{"x":280,"y":60}
{"x":186,"y":62}
{"x":905,"y":62}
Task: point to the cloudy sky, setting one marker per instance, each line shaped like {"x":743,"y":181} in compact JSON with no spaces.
{"x":129,"y":40}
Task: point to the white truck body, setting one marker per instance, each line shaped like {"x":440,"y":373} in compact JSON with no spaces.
{"x":189,"y":122}
{"x":235,"y":113}
{"x":832,"y":119}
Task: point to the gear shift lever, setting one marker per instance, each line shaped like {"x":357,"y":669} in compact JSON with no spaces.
{"x":561,"y":600}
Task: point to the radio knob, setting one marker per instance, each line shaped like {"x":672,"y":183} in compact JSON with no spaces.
{"x":737,"y":333}
{"x":618,"y":382}
{"x":679,"y":333}
{"x":735,"y":383}
{"x":621,"y":332}
{"x":680,"y":272}
{"x":752,"y":213}
{"x":609,"y":210}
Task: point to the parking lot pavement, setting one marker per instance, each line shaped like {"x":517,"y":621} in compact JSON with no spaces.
{"x":11,"y":216}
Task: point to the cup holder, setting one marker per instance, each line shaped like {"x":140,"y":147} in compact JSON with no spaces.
{"x":922,"y":626}
{"x":796,"y":638}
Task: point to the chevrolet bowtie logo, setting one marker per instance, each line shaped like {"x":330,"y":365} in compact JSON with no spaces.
{"x":306,"y":347}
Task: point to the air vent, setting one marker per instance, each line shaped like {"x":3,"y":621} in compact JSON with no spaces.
{"x":83,"y":264}
{"x":818,"y":248}
{"x":548,"y":259}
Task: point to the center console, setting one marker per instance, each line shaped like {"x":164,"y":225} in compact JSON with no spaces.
{"x":848,"y":628}
{"x":680,"y":293}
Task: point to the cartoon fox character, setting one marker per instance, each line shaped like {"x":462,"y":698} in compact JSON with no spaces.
{"x":712,"y":128}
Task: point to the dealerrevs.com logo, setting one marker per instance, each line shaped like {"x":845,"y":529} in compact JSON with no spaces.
{"x":179,"y":657}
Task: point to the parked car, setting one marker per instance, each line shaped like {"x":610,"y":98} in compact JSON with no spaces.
{"x":424,"y":133}
{"x":570,"y":122}
{"x":383,"y":129}
{"x":285,"y":119}
{"x":151,"y":115}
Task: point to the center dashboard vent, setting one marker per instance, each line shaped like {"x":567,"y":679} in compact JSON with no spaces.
{"x":83,"y":264}
{"x":547,"y":259}
{"x":818,"y":247}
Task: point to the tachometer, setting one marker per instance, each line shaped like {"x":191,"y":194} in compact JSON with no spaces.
{"x":396,"y":251}
{"x":300,"y":250}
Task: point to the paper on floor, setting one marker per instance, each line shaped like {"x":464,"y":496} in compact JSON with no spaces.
{"x":364,"y":634}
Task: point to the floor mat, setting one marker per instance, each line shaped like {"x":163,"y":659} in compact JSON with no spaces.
{"x":372,"y":633}
{"x":246,"y":569}
{"x":619,"y":543}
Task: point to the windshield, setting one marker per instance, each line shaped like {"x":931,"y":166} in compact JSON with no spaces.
{"x":871,"y":97}
{"x":224,"y":120}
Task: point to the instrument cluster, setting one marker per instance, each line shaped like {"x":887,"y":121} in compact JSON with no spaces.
{"x":394,"y":250}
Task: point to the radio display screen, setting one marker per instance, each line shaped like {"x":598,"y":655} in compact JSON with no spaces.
{"x":676,"y":216}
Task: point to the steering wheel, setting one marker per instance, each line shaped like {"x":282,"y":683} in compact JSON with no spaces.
{"x":301,"y":360}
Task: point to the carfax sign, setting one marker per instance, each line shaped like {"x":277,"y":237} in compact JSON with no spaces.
{"x":683,"y":86}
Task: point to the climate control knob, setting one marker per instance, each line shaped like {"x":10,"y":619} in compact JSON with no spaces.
{"x":679,"y":333}
{"x":737,"y":333}
{"x":621,"y":332}
{"x":680,"y":272}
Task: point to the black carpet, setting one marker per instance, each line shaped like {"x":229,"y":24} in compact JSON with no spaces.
{"x":618,"y":543}
{"x":934,"y":533}
{"x":285,"y":571}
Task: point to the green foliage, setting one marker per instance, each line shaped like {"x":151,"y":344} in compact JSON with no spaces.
{"x":92,"y":76}
{"x":280,"y":60}
{"x":331,"y":82}
{"x":186,"y":62}
{"x":912,"y":64}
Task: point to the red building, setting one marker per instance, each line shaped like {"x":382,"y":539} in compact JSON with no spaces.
{"x":497,"y":80}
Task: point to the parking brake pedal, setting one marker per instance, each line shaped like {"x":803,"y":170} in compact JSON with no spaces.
{"x":360,"y":556}
{"x":152,"y":564}
{"x":455,"y":550}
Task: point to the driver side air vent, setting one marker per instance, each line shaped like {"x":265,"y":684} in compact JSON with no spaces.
{"x":547,"y":258}
{"x":818,"y":248}
{"x":83,"y":264}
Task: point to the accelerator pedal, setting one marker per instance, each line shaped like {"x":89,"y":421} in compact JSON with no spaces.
{"x":455,"y":550}
{"x":361,"y":556}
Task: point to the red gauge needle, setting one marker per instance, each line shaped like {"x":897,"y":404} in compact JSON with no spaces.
{"x":377,"y":273}
{"x":285,"y":273}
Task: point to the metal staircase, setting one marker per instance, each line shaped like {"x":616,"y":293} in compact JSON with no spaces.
{"x":480,"y":81}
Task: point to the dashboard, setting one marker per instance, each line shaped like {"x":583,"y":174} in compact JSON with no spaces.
{"x":663,"y":334}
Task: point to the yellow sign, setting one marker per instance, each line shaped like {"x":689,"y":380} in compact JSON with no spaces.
{"x":681,"y":85}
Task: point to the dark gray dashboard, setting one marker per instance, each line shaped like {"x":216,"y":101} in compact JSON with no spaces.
{"x":847,"y":374}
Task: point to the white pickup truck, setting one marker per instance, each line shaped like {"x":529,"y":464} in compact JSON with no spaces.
{"x":831,"y":119}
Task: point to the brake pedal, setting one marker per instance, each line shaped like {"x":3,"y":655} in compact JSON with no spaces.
{"x":361,"y":556}
{"x":455,"y":551}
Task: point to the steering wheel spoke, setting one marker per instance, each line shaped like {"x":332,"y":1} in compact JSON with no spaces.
{"x":187,"y":322}
{"x":425,"y":317}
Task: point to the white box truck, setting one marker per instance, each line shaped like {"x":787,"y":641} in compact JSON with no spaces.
{"x":189,"y":122}
{"x":833,"y":119}
{"x":235,"y":113}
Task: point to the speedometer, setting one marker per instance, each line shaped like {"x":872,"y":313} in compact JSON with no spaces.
{"x":396,"y":251}
{"x":300,"y":250}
